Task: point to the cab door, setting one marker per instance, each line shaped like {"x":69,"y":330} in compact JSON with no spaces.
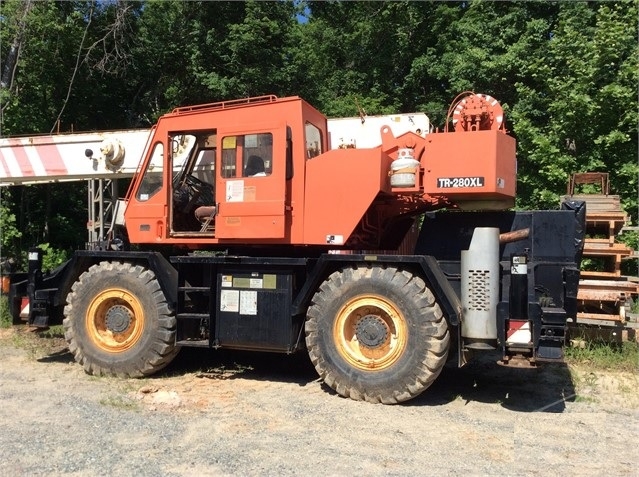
{"x":146,"y":211}
{"x":251,"y":197}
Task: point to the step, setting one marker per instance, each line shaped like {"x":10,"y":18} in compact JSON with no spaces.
{"x":194,"y":289}
{"x":193,"y":343}
{"x":600,"y":247}
{"x":582,"y":317}
{"x":605,"y":216}
{"x":594,"y":274}
{"x":192,"y":316}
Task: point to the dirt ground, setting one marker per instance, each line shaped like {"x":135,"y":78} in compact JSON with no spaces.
{"x":231,"y":413}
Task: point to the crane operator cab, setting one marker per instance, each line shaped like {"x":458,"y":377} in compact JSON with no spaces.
{"x":223,"y":173}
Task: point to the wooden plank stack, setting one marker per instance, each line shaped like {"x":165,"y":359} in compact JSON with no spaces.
{"x":603,"y":293}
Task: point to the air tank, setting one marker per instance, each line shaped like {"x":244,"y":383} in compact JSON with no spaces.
{"x":403,"y":169}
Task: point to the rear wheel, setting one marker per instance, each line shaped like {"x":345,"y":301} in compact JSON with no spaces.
{"x":118,"y":322}
{"x":376,"y":334}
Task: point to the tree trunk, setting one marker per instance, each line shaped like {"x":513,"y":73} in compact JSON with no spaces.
{"x":10,"y":63}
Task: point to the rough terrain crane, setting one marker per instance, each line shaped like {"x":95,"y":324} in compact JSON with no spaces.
{"x":243,"y":229}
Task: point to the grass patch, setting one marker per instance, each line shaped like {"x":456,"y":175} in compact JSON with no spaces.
{"x":605,"y":356}
{"x":37,"y":343}
{"x":120,"y":402}
{"x":585,"y":399}
{"x":55,"y":331}
{"x":5,"y":317}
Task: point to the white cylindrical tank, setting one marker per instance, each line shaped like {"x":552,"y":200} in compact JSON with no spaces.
{"x":403,"y":169}
{"x":480,"y":287}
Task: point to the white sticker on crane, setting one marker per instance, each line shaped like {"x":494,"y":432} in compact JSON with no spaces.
{"x":248,"y":302}
{"x":230,"y":300}
{"x":519,"y":269}
{"x":235,"y":191}
{"x":335,"y":239}
{"x":519,"y":266}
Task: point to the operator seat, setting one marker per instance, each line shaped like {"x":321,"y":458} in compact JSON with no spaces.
{"x":205,"y":214}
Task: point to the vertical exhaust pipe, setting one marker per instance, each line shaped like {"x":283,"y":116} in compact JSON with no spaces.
{"x":480,"y":271}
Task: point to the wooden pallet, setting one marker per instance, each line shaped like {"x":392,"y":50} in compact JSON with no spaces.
{"x":609,"y":297}
{"x":603,"y":294}
{"x":612,"y":253}
{"x":607,"y":223}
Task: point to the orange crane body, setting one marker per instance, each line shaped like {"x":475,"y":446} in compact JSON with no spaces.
{"x":312,"y":195}
{"x":243,"y":229}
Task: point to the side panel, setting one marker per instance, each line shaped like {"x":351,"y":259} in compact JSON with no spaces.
{"x":17,"y":291}
{"x":238,"y":302}
{"x":261,"y":303}
{"x":340,"y":187}
{"x":253,"y":206}
{"x":547,"y":299}
{"x":472,"y":169}
{"x":254,"y":309}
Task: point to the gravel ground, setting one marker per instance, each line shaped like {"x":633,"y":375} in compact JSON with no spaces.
{"x":255,"y":414}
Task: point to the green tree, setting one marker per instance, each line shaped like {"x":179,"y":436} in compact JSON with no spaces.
{"x":9,"y":233}
{"x":52,"y":213}
{"x":357,"y":55}
{"x":257,"y":51}
{"x":68,"y":73}
{"x":582,"y":115}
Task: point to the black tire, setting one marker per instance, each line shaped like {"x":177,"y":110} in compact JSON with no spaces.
{"x":376,"y":334}
{"x":118,"y":322}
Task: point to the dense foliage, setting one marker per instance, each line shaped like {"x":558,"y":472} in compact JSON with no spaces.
{"x":565,"y":72}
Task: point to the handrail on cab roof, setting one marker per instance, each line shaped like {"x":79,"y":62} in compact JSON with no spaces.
{"x":271,"y":98}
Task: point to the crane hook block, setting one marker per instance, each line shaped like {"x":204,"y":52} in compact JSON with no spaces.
{"x":478,"y":112}
{"x":113,"y":152}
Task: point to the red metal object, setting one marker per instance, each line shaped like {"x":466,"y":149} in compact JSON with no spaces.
{"x":477,"y":112}
{"x":313,"y":195}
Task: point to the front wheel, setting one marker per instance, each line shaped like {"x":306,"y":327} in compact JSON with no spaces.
{"x":118,"y":322}
{"x":376,"y":334}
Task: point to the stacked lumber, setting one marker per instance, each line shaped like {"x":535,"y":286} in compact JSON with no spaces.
{"x":603,"y":294}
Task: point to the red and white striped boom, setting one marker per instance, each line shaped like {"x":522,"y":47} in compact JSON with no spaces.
{"x":69,"y":157}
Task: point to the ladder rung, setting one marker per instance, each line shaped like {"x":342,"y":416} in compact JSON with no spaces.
{"x":191,"y":316}
{"x":194,"y":289}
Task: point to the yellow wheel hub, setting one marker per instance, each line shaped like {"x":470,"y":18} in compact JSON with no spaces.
{"x":370,"y":333}
{"x":115,"y":320}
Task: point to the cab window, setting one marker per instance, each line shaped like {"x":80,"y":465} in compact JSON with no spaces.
{"x":153,"y":179}
{"x":313,"y":141}
{"x":247,"y":155}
